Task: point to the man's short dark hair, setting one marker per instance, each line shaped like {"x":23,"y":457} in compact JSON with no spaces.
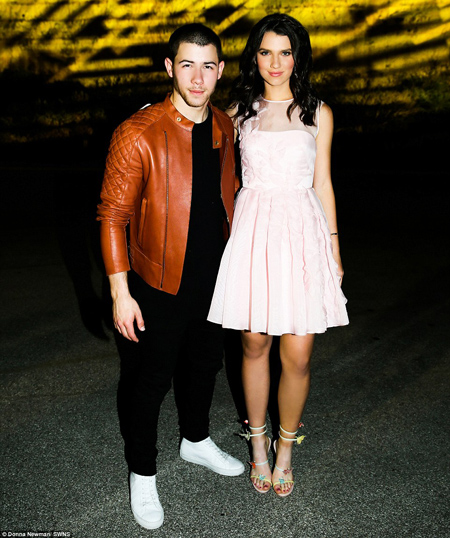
{"x":194,"y":33}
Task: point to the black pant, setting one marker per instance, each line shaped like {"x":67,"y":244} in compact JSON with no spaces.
{"x":178,"y":343}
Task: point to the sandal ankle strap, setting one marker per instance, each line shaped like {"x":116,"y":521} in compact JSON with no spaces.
{"x":284,"y":471}
{"x":254,"y":464}
{"x":285,"y":431}
{"x":247,"y":435}
{"x":297,"y":439}
{"x":258,"y":428}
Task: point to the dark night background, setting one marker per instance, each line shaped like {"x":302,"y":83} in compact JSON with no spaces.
{"x":375,"y":461}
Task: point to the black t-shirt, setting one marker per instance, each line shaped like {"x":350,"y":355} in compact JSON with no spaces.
{"x":205,"y":241}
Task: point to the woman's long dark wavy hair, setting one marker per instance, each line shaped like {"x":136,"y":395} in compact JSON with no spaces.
{"x":249,"y":85}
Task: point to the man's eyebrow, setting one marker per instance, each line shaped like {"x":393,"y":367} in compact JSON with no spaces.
{"x":192,"y":62}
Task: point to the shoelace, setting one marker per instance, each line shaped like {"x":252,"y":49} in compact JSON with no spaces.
{"x":149,"y":495}
{"x":220,"y":452}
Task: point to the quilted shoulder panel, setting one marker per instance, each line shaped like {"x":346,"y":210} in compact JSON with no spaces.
{"x":121,"y":148}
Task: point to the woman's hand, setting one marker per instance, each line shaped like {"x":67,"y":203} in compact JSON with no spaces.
{"x":337,"y":259}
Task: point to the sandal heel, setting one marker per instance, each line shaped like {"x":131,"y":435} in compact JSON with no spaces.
{"x":297,"y":440}
{"x":254,"y":464}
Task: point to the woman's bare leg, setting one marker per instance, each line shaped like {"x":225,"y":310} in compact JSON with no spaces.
{"x":295,"y":354}
{"x":256,"y":384}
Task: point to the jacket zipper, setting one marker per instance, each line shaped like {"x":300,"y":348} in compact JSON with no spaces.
{"x":142,"y":222}
{"x":167,"y":210}
{"x":221,"y":175}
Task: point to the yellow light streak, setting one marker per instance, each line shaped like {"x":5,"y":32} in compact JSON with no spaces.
{"x":383,"y":44}
{"x":119,"y":63}
{"x":411,"y":60}
{"x":246,"y":8}
{"x":388,"y":41}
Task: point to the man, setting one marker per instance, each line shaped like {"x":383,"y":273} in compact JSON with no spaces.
{"x":170,"y":176}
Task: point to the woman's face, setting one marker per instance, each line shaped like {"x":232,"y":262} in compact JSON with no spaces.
{"x":274,"y":59}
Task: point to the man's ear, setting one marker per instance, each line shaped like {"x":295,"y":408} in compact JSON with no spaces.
{"x":221,"y":66}
{"x":169,"y":67}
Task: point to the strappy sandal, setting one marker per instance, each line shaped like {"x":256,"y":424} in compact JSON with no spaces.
{"x":254,"y":464}
{"x":296,"y":439}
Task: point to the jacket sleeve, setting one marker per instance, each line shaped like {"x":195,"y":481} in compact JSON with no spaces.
{"x":121,"y":186}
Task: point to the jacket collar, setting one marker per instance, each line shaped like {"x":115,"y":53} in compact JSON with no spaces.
{"x":184,"y":123}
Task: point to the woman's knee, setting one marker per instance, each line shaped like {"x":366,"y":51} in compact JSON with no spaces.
{"x":255,"y":345}
{"x":295,"y":354}
{"x":298,"y":365}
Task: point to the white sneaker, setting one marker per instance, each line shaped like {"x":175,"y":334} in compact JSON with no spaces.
{"x":208,"y":454}
{"x":145,"y":505}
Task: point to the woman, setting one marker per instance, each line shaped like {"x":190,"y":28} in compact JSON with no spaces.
{"x":281,"y":270}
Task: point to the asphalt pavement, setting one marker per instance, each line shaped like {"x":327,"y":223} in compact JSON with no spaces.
{"x":375,"y":462}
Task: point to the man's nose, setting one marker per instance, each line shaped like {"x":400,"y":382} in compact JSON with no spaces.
{"x":197,"y":76}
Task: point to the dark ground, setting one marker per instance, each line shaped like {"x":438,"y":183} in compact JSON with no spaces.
{"x":375,"y":462}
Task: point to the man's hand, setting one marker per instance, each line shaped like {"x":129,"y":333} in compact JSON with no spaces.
{"x":125,"y":308}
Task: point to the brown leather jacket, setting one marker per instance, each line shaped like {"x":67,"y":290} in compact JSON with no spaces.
{"x":148,"y":184}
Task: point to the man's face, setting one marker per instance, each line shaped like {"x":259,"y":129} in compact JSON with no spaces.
{"x":195,"y":72}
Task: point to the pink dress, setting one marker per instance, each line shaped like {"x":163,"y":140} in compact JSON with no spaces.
{"x":278,"y":274}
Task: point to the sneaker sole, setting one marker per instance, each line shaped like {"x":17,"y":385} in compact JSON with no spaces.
{"x":150,"y":525}
{"x":218,"y":470}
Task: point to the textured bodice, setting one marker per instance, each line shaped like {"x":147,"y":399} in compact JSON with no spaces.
{"x":277,"y":152}
{"x":278,"y":274}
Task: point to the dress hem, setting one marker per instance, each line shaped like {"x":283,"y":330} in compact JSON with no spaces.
{"x":279,"y":333}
